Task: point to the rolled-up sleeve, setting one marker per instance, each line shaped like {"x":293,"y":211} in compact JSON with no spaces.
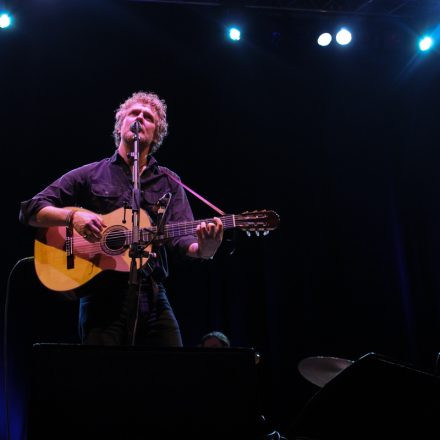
{"x":62,"y":192}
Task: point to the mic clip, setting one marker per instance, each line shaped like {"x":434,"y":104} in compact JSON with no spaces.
{"x":162,"y":203}
{"x":160,"y":209}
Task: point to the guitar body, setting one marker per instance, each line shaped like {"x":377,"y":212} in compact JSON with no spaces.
{"x":89,"y":259}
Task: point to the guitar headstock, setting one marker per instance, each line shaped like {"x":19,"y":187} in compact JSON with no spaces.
{"x":257,"y":221}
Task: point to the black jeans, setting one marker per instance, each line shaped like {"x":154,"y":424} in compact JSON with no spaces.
{"x":108,"y":315}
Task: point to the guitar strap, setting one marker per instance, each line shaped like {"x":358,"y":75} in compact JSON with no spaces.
{"x":206,"y":202}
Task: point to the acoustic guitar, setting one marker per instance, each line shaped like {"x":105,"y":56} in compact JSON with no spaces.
{"x":64,"y":263}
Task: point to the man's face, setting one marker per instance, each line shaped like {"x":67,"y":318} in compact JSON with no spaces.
{"x":146,"y":116}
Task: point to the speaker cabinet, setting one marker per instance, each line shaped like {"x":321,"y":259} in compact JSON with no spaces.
{"x":373,"y":398}
{"x":86,"y":392}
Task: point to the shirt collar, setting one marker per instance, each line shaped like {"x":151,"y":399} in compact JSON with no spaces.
{"x":151,"y":162}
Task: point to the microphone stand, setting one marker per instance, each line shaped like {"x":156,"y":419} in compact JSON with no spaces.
{"x":136,"y":248}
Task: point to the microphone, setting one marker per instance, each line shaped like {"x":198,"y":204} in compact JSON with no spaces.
{"x":135,"y":127}
{"x":164,"y":200}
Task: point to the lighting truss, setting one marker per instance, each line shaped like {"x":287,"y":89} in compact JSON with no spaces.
{"x":391,"y":8}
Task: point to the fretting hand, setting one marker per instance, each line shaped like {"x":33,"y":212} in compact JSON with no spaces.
{"x":209,"y":236}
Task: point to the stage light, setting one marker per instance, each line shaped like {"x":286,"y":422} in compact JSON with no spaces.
{"x":343,"y":37}
{"x":324,"y":39}
{"x":234,"y":34}
{"x":426,"y":43}
{"x":5,"y":20}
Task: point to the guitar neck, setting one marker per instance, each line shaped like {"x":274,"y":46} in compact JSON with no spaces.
{"x":172,"y":230}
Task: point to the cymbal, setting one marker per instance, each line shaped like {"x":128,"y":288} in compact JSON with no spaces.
{"x":322,"y":369}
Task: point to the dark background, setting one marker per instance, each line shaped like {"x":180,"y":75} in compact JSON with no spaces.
{"x":342,"y":142}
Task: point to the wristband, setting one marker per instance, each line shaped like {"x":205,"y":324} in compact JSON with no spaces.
{"x":69,"y":218}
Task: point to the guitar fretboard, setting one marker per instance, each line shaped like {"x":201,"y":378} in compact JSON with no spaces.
{"x":171,"y":230}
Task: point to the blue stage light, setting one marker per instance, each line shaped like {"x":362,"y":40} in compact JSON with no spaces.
{"x":425,"y":43}
{"x":324,"y":39}
{"x":234,"y":34}
{"x":5,"y":20}
{"x":343,"y":37}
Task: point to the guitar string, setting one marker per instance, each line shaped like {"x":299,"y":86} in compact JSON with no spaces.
{"x":82,"y":244}
{"x":169,"y":232}
{"x":175,"y":227}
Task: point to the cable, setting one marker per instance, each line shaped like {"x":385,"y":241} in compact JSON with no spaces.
{"x":5,"y":341}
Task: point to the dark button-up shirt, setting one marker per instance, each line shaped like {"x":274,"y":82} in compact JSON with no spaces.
{"x":105,"y":186}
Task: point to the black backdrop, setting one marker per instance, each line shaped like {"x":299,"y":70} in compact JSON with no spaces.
{"x":341,"y":142}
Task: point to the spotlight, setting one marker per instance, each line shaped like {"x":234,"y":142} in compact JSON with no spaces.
{"x":234,"y":34}
{"x":5,"y":20}
{"x":343,"y":37}
{"x":426,"y":43}
{"x":324,"y":39}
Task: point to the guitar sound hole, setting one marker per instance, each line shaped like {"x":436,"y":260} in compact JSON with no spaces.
{"x":114,"y":240}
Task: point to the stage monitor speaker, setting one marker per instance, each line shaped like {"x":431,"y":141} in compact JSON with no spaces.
{"x":374,"y":398}
{"x":88,"y":392}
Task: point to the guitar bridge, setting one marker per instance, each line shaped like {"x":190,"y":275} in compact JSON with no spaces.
{"x":70,"y":263}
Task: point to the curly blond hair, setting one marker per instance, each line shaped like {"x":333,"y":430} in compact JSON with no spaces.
{"x":157,"y":104}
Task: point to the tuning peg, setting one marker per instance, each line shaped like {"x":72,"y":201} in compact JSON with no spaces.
{"x":257,"y":233}
{"x":248,"y":233}
{"x":266,"y":232}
